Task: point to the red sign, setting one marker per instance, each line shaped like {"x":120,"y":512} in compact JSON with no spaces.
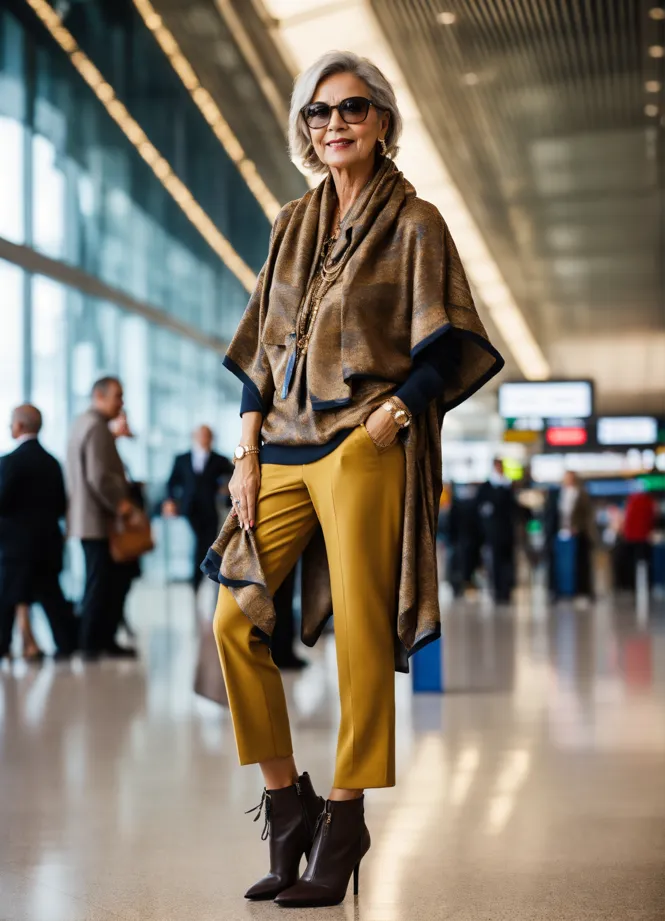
{"x":569,"y":436}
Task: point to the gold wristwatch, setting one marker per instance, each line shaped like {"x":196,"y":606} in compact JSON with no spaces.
{"x":243,"y":450}
{"x":401,"y":416}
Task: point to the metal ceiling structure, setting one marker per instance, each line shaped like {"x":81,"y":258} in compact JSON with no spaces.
{"x":253,"y":100}
{"x":549,"y":115}
{"x":538,"y":108}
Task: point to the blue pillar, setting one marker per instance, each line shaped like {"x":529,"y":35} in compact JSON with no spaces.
{"x":427,"y":669}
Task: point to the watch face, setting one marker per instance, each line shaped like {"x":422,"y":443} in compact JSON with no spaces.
{"x":400,"y":416}
{"x":239,"y":452}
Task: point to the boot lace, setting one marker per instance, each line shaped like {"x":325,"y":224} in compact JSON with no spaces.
{"x":265,"y":800}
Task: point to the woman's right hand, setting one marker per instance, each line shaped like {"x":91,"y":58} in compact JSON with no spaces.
{"x":244,"y":489}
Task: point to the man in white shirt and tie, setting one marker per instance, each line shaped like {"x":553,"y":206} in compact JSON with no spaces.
{"x":197,"y":479}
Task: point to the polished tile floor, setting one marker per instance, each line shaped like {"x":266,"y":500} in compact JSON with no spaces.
{"x":533,"y":790}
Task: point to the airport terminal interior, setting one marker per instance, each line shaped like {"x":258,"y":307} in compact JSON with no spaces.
{"x":144,"y":158}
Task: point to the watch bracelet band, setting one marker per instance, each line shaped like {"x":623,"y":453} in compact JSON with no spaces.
{"x":402,"y":409}
{"x":248,"y":449}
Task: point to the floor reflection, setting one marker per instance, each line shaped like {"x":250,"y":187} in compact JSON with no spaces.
{"x":533,"y":788}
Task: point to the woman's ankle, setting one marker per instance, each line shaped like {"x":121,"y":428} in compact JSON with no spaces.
{"x":279,"y":773}
{"x":343,"y":795}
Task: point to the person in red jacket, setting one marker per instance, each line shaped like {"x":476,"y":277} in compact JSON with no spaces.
{"x":638,"y":524}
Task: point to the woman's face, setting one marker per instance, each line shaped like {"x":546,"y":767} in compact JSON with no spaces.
{"x":342,"y":146}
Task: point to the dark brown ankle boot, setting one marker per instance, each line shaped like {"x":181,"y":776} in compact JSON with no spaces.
{"x":340,"y":843}
{"x":291,"y":816}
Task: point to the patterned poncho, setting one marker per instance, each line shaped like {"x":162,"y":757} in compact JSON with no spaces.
{"x":402,"y":286}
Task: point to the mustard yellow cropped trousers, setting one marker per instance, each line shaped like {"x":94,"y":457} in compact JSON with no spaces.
{"x":357,"y":494}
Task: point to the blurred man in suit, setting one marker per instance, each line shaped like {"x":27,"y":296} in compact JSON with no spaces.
{"x":498,"y":512}
{"x":193,"y":488}
{"x":464,"y":538}
{"x":32,"y":504}
{"x":98,"y":492}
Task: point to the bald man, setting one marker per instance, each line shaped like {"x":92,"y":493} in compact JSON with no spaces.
{"x":32,"y":505}
{"x":197,"y":479}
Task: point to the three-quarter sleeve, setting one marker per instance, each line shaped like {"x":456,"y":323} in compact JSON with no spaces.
{"x":250,"y":402}
{"x":434,"y":369}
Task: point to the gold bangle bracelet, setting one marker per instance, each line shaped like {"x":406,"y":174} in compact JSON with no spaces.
{"x":378,"y":444}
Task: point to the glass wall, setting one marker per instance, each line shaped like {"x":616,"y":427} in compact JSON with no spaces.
{"x":74,"y":189}
{"x":11,"y":347}
{"x":73,"y":186}
{"x":171,"y":384}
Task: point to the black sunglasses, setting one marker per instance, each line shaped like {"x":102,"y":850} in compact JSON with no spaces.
{"x":353,"y":111}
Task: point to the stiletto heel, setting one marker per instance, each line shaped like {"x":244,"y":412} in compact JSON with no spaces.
{"x":356,"y":878}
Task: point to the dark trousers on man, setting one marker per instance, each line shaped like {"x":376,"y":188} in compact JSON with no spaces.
{"x":205,"y":531}
{"x":103,"y":598}
{"x":26,"y":583}
{"x":502,"y":570}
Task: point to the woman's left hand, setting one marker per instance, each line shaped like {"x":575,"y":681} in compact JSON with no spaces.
{"x":381,"y":427}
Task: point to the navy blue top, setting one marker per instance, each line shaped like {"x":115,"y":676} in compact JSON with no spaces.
{"x":433,"y":368}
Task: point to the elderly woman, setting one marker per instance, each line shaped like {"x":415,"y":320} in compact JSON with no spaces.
{"x":360,"y":334}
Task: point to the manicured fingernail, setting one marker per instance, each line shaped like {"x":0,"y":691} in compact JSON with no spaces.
{"x":251,"y":524}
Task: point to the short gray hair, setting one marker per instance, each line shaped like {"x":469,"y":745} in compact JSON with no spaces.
{"x":338,"y":62}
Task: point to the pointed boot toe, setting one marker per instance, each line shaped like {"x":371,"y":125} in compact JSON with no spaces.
{"x":307,"y":895}
{"x":291,"y":814}
{"x":265,"y":889}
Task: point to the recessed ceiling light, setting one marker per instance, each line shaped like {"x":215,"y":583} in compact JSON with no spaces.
{"x":651,"y":110}
{"x":657,"y":12}
{"x":446,"y":19}
{"x":656,"y":51}
{"x":653,"y":86}
{"x":471,"y":79}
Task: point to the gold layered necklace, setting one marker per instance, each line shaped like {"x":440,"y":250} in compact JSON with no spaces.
{"x":327,"y":273}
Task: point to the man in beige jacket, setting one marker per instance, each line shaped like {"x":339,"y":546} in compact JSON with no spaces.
{"x":98,"y":492}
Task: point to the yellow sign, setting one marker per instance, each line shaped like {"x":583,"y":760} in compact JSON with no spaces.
{"x":525,"y":437}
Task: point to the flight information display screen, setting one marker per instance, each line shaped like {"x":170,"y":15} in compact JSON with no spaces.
{"x":627,"y":430}
{"x":546,"y":399}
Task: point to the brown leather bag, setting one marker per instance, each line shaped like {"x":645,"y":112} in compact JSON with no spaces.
{"x":130,"y":537}
{"x":209,"y":680}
